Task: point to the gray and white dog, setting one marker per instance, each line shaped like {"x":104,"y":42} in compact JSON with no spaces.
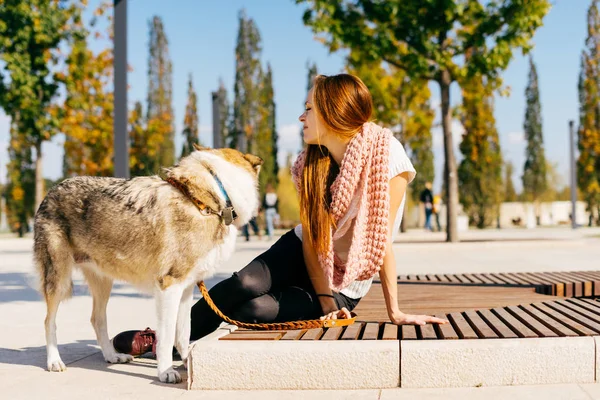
{"x":162,"y":235}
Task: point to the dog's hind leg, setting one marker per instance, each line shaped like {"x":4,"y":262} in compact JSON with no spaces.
{"x":100,"y":288}
{"x":182,"y":336}
{"x":54,"y":263}
{"x":167,"y":306}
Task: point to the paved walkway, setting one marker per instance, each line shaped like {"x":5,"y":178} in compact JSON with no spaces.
{"x":22,"y":345}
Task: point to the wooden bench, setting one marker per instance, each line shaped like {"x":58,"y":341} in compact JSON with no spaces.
{"x":478,"y":306}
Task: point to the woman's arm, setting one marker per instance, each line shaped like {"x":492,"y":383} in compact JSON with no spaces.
{"x":317,"y":276}
{"x":387,"y":273}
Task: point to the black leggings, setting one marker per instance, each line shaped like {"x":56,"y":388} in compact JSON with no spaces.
{"x":274,"y":287}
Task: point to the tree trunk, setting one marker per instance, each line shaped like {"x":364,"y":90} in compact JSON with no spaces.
{"x":450,"y":162}
{"x":39,"y":178}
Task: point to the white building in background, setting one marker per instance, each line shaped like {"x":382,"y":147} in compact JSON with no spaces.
{"x":513,"y":214}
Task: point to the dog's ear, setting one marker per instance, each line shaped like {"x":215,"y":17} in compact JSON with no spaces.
{"x":199,"y":147}
{"x":255,"y":161}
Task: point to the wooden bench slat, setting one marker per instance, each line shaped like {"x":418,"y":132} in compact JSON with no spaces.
{"x":442,"y":278}
{"x":409,"y":332}
{"x":502,"y":280}
{"x":253,"y":335}
{"x":402,"y":278}
{"x":293,"y":335}
{"x":446,"y":330}
{"x":352,"y":331}
{"x":576,"y":281}
{"x":530,"y":322}
{"x":552,"y":324}
{"x":568,"y":292}
{"x":473,"y":279}
{"x":432,"y":278}
{"x":582,"y":303}
{"x":390,"y":332}
{"x":499,"y":327}
{"x":558,"y":287}
{"x":312,"y":334}
{"x":571,"y":324}
{"x":520,"y":329}
{"x":371,"y":331}
{"x":550,"y":287}
{"x":428,"y":332}
{"x":332,"y":333}
{"x":480,"y":326}
{"x":512,"y":279}
{"x":452,"y":278}
{"x":422,"y":278}
{"x":575,"y":316}
{"x":581,"y":308}
{"x":462,"y":278}
{"x":494,"y":279}
{"x":462,"y":327}
{"x":591,"y":284}
{"x":484,"y":279}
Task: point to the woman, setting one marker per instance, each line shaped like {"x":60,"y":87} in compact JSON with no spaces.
{"x":351,"y":180}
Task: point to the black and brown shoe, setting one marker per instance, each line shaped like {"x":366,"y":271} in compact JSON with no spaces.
{"x":135,"y":343}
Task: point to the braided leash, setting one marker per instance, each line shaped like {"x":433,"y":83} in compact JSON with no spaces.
{"x":308,"y":324}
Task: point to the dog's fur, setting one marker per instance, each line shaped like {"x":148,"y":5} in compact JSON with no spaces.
{"x":146,"y":232}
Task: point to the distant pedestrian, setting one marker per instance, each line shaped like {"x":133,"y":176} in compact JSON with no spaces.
{"x":427,"y":201}
{"x":437,"y":206}
{"x":270,"y":205}
{"x":254,"y":226}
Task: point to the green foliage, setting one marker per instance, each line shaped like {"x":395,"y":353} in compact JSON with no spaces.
{"x":248,"y":77}
{"x":31,"y":32}
{"x":265,"y":141}
{"x":159,"y":118}
{"x":480,"y":171}
{"x":86,"y":117}
{"x":190,"y":121}
{"x":224,"y":113}
{"x":138,"y":150}
{"x":588,"y":164}
{"x":429,"y":40}
{"x":534,"y":172}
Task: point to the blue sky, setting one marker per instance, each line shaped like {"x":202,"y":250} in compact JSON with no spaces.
{"x":202,"y":38}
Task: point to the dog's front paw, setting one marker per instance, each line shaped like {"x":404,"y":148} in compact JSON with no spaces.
{"x":169,"y":376}
{"x":118,"y":358}
{"x":56,"y":366}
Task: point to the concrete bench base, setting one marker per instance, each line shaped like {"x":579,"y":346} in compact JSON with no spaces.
{"x":242,"y":365}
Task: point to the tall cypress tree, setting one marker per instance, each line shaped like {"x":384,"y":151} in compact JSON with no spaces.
{"x":246,"y":86}
{"x":588,"y":164}
{"x":224,"y":113}
{"x":138,"y":150}
{"x":510,"y":194}
{"x":161,"y":131}
{"x":190,"y":121}
{"x":266,"y":137}
{"x":480,"y":171}
{"x":534,"y":173}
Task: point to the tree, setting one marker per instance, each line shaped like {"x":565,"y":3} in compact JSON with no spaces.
{"x":246,"y":86}
{"x":588,"y":163}
{"x":534,"y":171}
{"x":224,"y":112}
{"x":510,"y":194}
{"x":190,"y":121}
{"x":480,"y":171}
{"x":138,"y":151}
{"x":266,"y":136}
{"x":428,"y":39}
{"x":159,"y":117}
{"x":86,"y":117}
{"x":31,"y":32}
{"x":311,"y":72}
{"x":20,"y":189}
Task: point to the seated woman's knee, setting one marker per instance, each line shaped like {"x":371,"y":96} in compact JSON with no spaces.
{"x":260,"y":309}
{"x":254,"y":280}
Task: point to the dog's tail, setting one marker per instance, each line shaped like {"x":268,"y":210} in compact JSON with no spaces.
{"x":53,"y":258}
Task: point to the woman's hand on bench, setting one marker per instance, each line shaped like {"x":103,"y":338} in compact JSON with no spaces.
{"x":337,"y":314}
{"x":411,"y":319}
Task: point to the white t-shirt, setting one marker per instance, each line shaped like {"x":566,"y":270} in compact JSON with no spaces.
{"x":399,"y":163}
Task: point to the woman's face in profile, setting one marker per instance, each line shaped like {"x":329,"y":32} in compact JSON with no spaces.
{"x":312,"y":127}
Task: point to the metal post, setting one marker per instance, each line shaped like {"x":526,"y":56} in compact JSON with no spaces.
{"x":121,"y":139}
{"x":573,"y":175}
{"x":216,"y":121}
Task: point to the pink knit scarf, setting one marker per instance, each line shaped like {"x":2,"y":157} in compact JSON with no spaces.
{"x":365,"y":161}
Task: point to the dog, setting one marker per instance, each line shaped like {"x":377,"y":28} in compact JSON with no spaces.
{"x":161,"y":234}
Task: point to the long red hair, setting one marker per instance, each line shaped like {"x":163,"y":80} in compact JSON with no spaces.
{"x":343,"y":104}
